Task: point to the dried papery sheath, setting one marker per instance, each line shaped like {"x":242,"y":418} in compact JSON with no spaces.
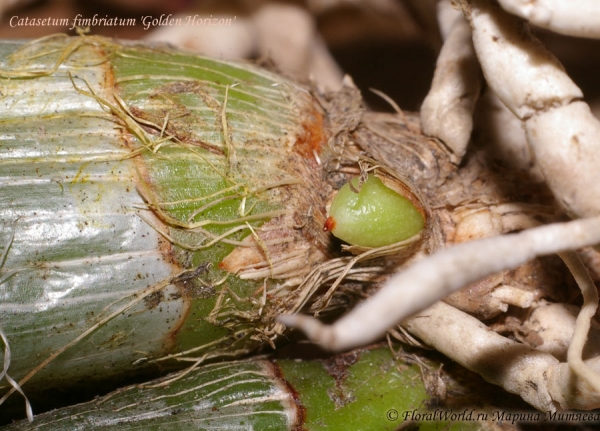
{"x":151,"y":203}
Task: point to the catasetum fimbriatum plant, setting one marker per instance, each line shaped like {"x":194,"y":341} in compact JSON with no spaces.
{"x":160,"y":209}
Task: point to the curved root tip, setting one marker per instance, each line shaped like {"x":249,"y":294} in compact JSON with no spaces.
{"x":313,"y":328}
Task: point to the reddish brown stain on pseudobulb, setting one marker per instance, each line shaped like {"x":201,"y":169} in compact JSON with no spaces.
{"x":308,"y":143}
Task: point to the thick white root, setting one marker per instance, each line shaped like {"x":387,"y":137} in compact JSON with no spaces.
{"x":582,"y":372}
{"x":300,"y":53}
{"x":447,"y":111}
{"x":538,"y":377}
{"x":504,"y":136}
{"x":569,"y":390}
{"x":516,"y":367}
{"x":573,"y":18}
{"x":526,"y":77}
{"x":229,"y":42}
{"x":562,"y":132}
{"x":288,"y":36}
{"x":551,"y":326}
{"x":566,"y":142}
{"x":440,"y":274}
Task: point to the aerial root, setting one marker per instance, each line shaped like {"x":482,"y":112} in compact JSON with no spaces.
{"x":440,"y":274}
{"x":584,"y":319}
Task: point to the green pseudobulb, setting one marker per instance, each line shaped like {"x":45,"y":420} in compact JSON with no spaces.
{"x":376,"y":216}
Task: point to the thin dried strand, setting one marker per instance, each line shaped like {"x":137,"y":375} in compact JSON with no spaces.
{"x":4,"y":374}
{"x":3,"y":257}
{"x":9,"y":274}
{"x":172,"y":221}
{"x":207,"y":162}
{"x":263,"y":298}
{"x":312,"y":282}
{"x":261,"y":96}
{"x":7,"y":247}
{"x":263,"y":246}
{"x":201,"y":198}
{"x":323,"y":301}
{"x":150,"y":198}
{"x":217,"y":238}
{"x":69,"y":49}
{"x":584,"y":319}
{"x":440,"y":274}
{"x":134,"y":126}
{"x":212,"y":204}
{"x":244,"y":195}
{"x":120,"y":111}
{"x":230,"y":153}
{"x":394,"y":105}
{"x":7,"y":352}
{"x":191,"y":247}
{"x":138,"y":297}
{"x":179,"y":375}
{"x":181,"y":356}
